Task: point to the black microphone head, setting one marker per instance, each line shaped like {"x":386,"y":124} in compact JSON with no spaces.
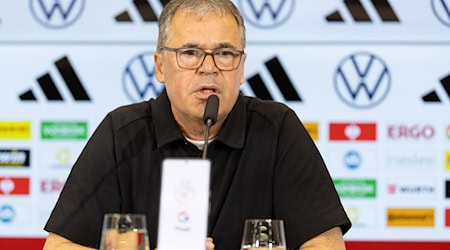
{"x":211,"y":109}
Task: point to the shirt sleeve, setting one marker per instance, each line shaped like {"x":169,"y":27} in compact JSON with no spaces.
{"x":304,"y":193}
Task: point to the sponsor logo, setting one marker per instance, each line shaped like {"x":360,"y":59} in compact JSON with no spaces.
{"x":56,"y":14}
{"x":15,"y":130}
{"x":14,"y":186}
{"x":410,"y":160}
{"x":63,"y":130}
{"x":352,"y":131}
{"x":433,"y":97}
{"x":362,"y":216}
{"x":407,"y":189}
{"x":448,"y":132}
{"x":266,"y":14}
{"x":14,"y":157}
{"x":362,"y":80}
{"x":356,"y":188}
{"x":313,"y":129}
{"x":145,"y":11}
{"x":50,"y":89}
{"x":138,"y":78}
{"x":7,"y":213}
{"x":342,"y":160}
{"x":281,"y":79}
{"x":183,"y":217}
{"x":415,"y":132}
{"x":410,"y":217}
{"x":441,"y":9}
{"x":58,"y":157}
{"x":447,"y":217}
{"x":359,"y":13}
{"x":447,"y":189}
{"x":49,"y":186}
{"x":352,"y":159}
{"x":447,"y":160}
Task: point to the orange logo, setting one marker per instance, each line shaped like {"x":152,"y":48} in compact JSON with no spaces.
{"x":410,"y":217}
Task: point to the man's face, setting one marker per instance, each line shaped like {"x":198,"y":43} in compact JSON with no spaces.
{"x":189,"y":89}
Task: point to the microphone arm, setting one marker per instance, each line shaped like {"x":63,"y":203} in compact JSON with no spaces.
{"x":209,"y":118}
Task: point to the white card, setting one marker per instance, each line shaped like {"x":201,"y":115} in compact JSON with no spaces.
{"x":184,"y":204}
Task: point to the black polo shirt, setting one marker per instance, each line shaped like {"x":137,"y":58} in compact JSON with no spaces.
{"x":264,"y":165}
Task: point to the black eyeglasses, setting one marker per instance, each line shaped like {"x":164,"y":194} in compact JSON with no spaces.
{"x":225,"y":59}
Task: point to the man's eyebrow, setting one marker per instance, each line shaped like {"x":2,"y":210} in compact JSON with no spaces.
{"x":226,"y":45}
{"x":218,"y":46}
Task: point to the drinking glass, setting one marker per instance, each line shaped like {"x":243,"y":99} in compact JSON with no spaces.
{"x":263,"y":234}
{"x":124,"y":232}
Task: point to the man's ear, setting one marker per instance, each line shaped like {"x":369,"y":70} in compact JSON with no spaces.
{"x":159,"y":72}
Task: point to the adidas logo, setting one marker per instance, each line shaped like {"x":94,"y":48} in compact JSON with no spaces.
{"x":145,"y":10}
{"x":433,"y":96}
{"x":281,"y":79}
{"x":360,"y":14}
{"x":50,"y":89}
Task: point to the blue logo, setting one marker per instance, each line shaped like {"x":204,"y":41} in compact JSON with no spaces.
{"x":266,"y":13}
{"x":7,"y":213}
{"x":441,"y":9}
{"x":352,"y":159}
{"x":138,"y":78}
{"x":56,"y":14}
{"x":362,"y":80}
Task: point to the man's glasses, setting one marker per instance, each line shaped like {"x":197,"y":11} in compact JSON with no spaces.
{"x":225,"y":59}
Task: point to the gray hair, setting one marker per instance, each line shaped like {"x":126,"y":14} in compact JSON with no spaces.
{"x":199,"y":8}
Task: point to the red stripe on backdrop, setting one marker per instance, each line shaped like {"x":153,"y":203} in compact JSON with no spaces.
{"x":38,"y":243}
{"x":21,"y":243}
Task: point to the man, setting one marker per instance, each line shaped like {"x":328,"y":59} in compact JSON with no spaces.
{"x":264,"y":164}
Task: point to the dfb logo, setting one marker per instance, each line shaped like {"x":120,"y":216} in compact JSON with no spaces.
{"x":265,"y":13}
{"x":362,"y":80}
{"x":56,"y":14}
{"x":396,"y":132}
{"x":138,"y":78}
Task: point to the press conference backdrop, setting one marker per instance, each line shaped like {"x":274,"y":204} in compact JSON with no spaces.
{"x":370,"y":80}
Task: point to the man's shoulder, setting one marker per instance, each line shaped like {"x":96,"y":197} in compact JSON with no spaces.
{"x":129,"y":113}
{"x":266,"y":108}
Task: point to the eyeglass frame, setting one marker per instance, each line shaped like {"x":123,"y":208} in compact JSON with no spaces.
{"x":241,"y":52}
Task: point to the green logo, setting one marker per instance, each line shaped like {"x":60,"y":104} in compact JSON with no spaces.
{"x":64,"y":130}
{"x":353,"y":188}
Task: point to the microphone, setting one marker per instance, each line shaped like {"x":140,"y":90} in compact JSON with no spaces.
{"x":209,"y":118}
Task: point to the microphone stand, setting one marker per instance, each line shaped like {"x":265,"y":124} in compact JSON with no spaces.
{"x":209,"y":118}
{"x":208,"y":125}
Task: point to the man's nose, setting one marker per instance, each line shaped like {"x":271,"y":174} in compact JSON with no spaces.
{"x":208,"y":63}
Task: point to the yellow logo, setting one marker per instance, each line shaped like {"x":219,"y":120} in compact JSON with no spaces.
{"x":313,"y":129}
{"x":63,"y":156}
{"x":15,"y":130}
{"x":410,"y":217}
{"x":447,"y":160}
{"x":353,"y":214}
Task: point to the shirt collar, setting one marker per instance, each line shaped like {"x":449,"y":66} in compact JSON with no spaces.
{"x":167,"y":130}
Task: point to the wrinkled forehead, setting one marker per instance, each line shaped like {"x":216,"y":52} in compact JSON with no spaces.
{"x":210,"y":30}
